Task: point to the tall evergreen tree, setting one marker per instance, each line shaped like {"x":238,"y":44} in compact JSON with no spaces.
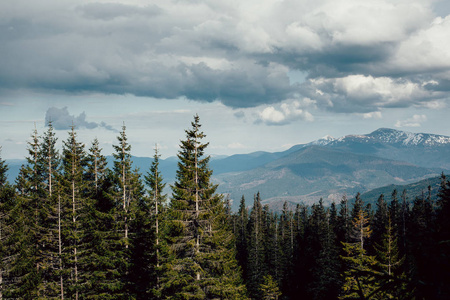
{"x":49,"y":158}
{"x":31,"y":265}
{"x":201,"y":241}
{"x":158,"y":198}
{"x":96,"y":167}
{"x":242,"y":237}
{"x":146,"y":258}
{"x":360,"y":282}
{"x":74,"y":205}
{"x":380,"y":220}
{"x":7,"y":202}
{"x":326,"y":281}
{"x":286,"y":245}
{"x":256,"y":266}
{"x":344,"y":220}
{"x":443,"y":239}
{"x":122,"y":170}
{"x":269,"y":289}
{"x":104,"y":249}
{"x":391,"y":280}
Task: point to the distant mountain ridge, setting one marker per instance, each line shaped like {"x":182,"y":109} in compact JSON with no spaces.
{"x":421,"y":149}
{"x":315,"y":172}
{"x":327,"y":167}
{"x":390,"y":136}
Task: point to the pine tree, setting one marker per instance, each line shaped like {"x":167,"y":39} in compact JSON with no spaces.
{"x":122,"y":169}
{"x":242,"y":237}
{"x":256,"y":266}
{"x":27,"y":261}
{"x":273,"y":255}
{"x":286,"y":245}
{"x":49,"y":158}
{"x":326,"y":276}
{"x":96,"y":167}
{"x":392,"y":282}
{"x":394,"y":210}
{"x":155,"y":182}
{"x":269,"y":289}
{"x":380,"y":220}
{"x":360,"y":281}
{"x":7,"y":202}
{"x":74,"y":210}
{"x":344,"y":220}
{"x":443,"y":239}
{"x":32,"y":241}
{"x":201,"y":242}
{"x":146,"y":257}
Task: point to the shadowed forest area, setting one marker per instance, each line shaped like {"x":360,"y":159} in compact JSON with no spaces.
{"x":72,"y":228}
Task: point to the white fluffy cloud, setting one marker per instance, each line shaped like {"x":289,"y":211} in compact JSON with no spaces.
{"x":414,"y":121}
{"x":286,"y":113}
{"x":366,"y":94}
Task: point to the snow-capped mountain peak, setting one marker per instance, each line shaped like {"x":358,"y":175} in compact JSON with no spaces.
{"x":392,"y":136}
{"x":324,"y":141}
{"x":389,"y":136}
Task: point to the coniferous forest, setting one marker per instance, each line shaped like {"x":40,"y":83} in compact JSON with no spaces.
{"x":73,"y":228}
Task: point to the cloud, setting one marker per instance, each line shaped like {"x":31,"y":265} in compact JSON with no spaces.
{"x":239,"y":53}
{"x":62,"y":120}
{"x":372,"y":115}
{"x":414,"y":121}
{"x":236,"y":145}
{"x":285,"y":114}
{"x":239,"y":114}
{"x":366,"y":94}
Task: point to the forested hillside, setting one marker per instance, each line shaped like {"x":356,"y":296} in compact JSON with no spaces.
{"x":71,"y":227}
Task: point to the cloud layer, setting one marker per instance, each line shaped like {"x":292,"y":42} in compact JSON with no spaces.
{"x":359,"y":56}
{"x":62,"y":120}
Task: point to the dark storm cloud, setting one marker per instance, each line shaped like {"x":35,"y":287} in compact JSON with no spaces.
{"x":358,"y":58}
{"x":62,"y":120}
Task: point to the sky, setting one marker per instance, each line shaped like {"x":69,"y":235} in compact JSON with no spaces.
{"x":262,"y":75}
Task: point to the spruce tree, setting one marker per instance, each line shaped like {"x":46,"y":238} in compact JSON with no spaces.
{"x":344,"y":220}
{"x":256,"y":266}
{"x":155,"y":182}
{"x":128,"y":192}
{"x":32,"y":267}
{"x":74,"y":206}
{"x":96,"y":167}
{"x":201,"y":242}
{"x":146,"y":257}
{"x":443,"y":239}
{"x":269,"y":289}
{"x":122,"y":170}
{"x":286,"y":246}
{"x":326,"y":275}
{"x":104,"y":277}
{"x":7,"y":202}
{"x":49,"y":158}
{"x":392,"y":280}
{"x":380,"y":220}
{"x":242,"y":237}
{"x":360,"y":282}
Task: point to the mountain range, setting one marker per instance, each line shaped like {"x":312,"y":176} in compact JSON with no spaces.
{"x":326,"y":168}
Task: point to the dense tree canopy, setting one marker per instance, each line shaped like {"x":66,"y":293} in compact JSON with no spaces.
{"x":73,"y":227}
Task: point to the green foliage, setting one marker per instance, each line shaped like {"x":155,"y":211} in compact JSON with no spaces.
{"x":73,"y":227}
{"x":269,"y":289}
{"x":201,"y":244}
{"x":358,"y":280}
